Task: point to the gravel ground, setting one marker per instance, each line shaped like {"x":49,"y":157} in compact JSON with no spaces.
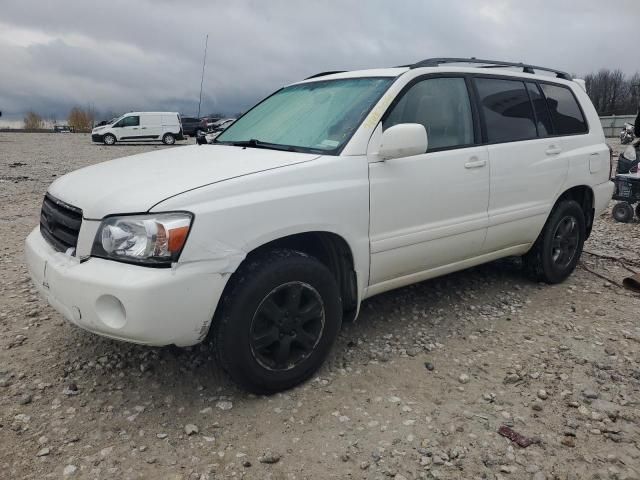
{"x":416,"y":388}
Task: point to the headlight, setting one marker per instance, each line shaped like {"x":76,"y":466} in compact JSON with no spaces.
{"x":155,"y":239}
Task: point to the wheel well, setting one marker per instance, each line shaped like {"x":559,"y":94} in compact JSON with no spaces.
{"x":584,"y":196}
{"x":330,"y":249}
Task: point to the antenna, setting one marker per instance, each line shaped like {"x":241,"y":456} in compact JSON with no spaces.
{"x":204,"y":62}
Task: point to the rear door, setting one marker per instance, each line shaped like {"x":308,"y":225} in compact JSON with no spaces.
{"x":171,"y":124}
{"x":528,"y":166}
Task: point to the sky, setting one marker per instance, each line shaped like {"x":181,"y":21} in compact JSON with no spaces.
{"x":124,"y":55}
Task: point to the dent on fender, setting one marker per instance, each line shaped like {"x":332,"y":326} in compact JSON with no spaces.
{"x":222,"y":257}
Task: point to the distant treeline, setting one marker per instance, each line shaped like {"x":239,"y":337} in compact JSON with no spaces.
{"x":79,"y":120}
{"x":614,"y":93}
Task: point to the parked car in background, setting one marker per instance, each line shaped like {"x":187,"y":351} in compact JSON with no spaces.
{"x":332,"y":190}
{"x":106,"y":122}
{"x":141,"y":126}
{"x":62,"y":129}
{"x":192,"y":125}
{"x":222,"y":124}
{"x":214,"y":130}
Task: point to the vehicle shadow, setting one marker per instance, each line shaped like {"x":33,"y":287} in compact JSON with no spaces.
{"x":440,"y":305}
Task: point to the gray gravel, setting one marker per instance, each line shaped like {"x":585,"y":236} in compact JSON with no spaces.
{"x":417,"y":388}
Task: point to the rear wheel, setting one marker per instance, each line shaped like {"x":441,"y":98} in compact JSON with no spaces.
{"x":109,"y":139}
{"x":557,"y":250}
{"x":623,"y":212}
{"x":168,"y":139}
{"x":278,"y":319}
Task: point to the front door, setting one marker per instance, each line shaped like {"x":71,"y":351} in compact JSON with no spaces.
{"x":128,"y":128}
{"x":429,"y":210}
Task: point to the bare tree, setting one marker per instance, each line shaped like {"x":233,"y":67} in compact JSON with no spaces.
{"x":612,"y":93}
{"x":80,"y":120}
{"x":33,"y":121}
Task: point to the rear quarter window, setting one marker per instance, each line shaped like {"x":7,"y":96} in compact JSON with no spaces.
{"x":566,"y":116}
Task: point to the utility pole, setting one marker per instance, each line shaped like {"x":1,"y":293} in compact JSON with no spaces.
{"x":204,"y":62}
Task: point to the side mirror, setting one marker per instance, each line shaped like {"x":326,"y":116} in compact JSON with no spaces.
{"x":403,"y":140}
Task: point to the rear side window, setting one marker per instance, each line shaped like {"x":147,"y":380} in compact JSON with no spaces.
{"x":566,"y":115}
{"x":543,"y":120}
{"x":440,"y":104}
{"x":507,"y":111}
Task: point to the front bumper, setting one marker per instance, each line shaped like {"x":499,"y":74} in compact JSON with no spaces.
{"x":152,"y":306}
{"x":96,"y":137}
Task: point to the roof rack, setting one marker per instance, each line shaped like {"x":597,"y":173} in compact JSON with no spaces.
{"x":322,"y":74}
{"x":526,"y":68}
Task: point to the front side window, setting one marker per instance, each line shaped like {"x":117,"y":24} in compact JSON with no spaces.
{"x":565,"y":113}
{"x":507,"y":110}
{"x":316,"y":116}
{"x":130,"y":121}
{"x":440,"y":104}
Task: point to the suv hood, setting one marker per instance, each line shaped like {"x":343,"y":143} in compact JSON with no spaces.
{"x":135,"y":184}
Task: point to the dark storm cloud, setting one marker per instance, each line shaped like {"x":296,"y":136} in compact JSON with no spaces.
{"x":122,"y":55}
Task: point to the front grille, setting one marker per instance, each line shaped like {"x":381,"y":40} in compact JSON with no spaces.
{"x":60,"y":224}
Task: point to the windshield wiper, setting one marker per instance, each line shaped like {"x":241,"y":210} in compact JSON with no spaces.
{"x":255,"y":143}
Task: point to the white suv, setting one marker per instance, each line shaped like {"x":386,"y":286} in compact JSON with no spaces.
{"x":329,"y":191}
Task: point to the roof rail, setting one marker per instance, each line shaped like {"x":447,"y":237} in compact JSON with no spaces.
{"x":526,"y":68}
{"x":322,"y":74}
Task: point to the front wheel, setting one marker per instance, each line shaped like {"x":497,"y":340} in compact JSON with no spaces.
{"x":109,"y":139}
{"x":277,"y":321}
{"x":168,"y":139}
{"x":556,"y":252}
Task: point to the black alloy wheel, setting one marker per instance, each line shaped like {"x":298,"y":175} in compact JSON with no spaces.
{"x":565,"y":242}
{"x":555,"y":254}
{"x":277,"y":320}
{"x":287,"y":326}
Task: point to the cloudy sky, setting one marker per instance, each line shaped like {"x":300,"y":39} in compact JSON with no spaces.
{"x":125,"y":55}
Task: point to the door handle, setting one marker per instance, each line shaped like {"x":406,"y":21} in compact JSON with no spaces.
{"x":553,"y":150}
{"x":143,"y":128}
{"x":134,"y":128}
{"x":475,"y":164}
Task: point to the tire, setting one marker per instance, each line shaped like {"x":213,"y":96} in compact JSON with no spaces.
{"x":251,"y":328}
{"x":109,"y":139}
{"x":168,"y":139}
{"x":638,"y":211}
{"x":556,"y":252}
{"x":623,"y":212}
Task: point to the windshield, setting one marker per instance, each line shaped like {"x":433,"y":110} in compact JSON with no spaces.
{"x":317,"y":116}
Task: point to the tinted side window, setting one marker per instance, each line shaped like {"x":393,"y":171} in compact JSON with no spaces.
{"x":543,"y":120}
{"x":130,"y":121}
{"x":565,"y":113}
{"x":440,"y":104}
{"x":507,"y":110}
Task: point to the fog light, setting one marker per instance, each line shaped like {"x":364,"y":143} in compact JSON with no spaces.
{"x":111,"y":311}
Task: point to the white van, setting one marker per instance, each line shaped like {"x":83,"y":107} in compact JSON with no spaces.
{"x":141,"y":126}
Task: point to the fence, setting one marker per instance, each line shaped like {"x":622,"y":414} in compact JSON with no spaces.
{"x":613,"y":124}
